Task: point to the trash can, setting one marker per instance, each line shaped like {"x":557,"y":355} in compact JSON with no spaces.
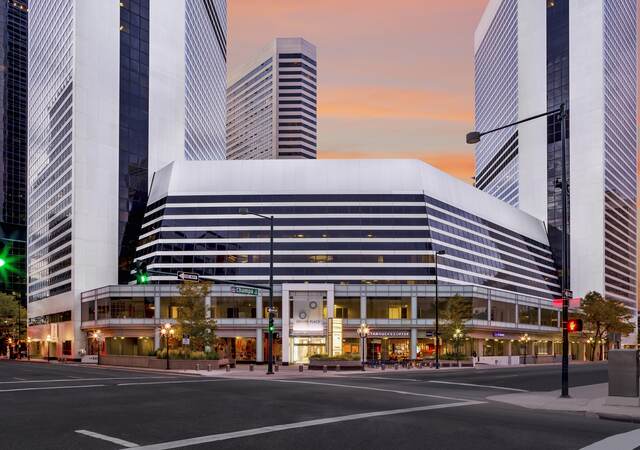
{"x":623,"y":378}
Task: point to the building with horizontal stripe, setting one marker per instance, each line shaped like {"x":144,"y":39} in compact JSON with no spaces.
{"x":355,"y":238}
{"x":272,"y":103}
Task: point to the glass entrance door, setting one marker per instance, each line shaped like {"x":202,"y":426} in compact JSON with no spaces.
{"x":304,"y":347}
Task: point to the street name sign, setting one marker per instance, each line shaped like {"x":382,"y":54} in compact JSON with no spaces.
{"x":188,"y":276}
{"x":244,"y":290}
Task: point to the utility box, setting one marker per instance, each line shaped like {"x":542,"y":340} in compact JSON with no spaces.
{"x":623,"y":378}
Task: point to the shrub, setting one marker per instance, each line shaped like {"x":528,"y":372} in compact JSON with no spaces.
{"x":185,"y":354}
{"x":343,"y":357}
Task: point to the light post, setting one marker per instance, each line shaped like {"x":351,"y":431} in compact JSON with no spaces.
{"x":457,"y":335}
{"x":167,"y":331}
{"x":28,"y":348}
{"x":524,"y":339}
{"x":48,"y":348}
{"x":591,"y":342}
{"x":96,"y":336}
{"x":473,"y":138}
{"x":363,"y":332}
{"x":9,"y":346}
{"x":435,"y":257}
{"x":271,"y":328}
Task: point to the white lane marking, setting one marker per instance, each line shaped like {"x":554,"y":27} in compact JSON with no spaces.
{"x":19,"y":379}
{"x":104,"y":437}
{"x":176,"y":382}
{"x":67,"y":380}
{"x":390,"y":378}
{"x":622,"y":441}
{"x":479,"y":385}
{"x":46,"y":388}
{"x":368,"y":388}
{"x":294,"y":425}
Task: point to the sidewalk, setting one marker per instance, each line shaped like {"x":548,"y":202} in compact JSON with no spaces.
{"x":589,"y":400}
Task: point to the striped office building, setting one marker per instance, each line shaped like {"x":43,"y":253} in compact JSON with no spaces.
{"x":272,"y":103}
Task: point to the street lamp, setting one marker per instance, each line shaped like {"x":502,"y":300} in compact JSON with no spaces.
{"x":473,"y":138}
{"x":457,"y":335}
{"x":592,"y":342}
{"x":271,"y":329}
{"x":28,"y":348}
{"x":167,"y":331}
{"x":48,"y":347}
{"x":363,"y":332}
{"x":524,"y":339}
{"x":435,"y":256}
{"x":96,"y":336}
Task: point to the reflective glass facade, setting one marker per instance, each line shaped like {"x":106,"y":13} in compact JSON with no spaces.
{"x":557,"y":93}
{"x":343,"y":239}
{"x":620,"y":154}
{"x":13,"y":154}
{"x":50,"y":147}
{"x":134,"y":128}
{"x":205,"y":79}
{"x":496,"y":104}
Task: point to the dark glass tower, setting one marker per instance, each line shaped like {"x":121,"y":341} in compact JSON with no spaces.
{"x":134,"y":128}
{"x":557,"y":93}
{"x":13,"y":153}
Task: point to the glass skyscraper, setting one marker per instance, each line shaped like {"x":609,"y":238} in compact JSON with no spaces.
{"x":98,"y":133}
{"x":582,"y":55}
{"x":13,"y":153}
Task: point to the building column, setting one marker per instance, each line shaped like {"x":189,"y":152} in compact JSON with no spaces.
{"x":285,"y":323}
{"x":414,"y":330}
{"x":509,"y":350}
{"x":259,"y":346}
{"x":156,"y":316}
{"x":363,"y":307}
{"x":330,"y":304}
{"x":259,"y":330}
{"x":414,"y":343}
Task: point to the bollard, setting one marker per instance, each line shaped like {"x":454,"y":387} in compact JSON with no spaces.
{"x":228,"y":368}
{"x":197,"y":367}
{"x":431,"y":365}
{"x":209,"y":367}
{"x":300,"y":368}
{"x":363,"y":367}
{"x":250,"y":367}
{"x":337,"y":367}
{"x":324,"y":369}
{"x":395,"y":366}
{"x":382,"y":366}
{"x":276,"y":368}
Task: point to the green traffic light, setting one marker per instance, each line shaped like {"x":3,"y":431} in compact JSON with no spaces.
{"x":143,"y":278}
{"x":2,"y":262}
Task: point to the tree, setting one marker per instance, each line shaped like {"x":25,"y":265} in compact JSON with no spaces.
{"x":13,"y":317}
{"x":192,"y":316}
{"x":455,"y":315}
{"x":603,"y":317}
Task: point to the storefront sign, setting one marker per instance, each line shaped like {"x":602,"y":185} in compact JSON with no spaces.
{"x":498,"y":334}
{"x":390,"y":333}
{"x":334,"y":331}
{"x":307,"y":312}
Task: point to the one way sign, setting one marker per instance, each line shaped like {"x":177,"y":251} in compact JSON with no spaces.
{"x":188,"y":276}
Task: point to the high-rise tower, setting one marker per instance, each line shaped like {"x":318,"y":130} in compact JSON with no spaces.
{"x":117,"y":89}
{"x":13,"y":148}
{"x":531,"y":57}
{"x":272,"y":103}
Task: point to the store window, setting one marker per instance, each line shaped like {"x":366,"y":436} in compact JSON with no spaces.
{"x":549,"y":317}
{"x":527,"y":315}
{"x":388,"y":307}
{"x":235,"y":307}
{"x":503,"y":312}
{"x":347,"y":308}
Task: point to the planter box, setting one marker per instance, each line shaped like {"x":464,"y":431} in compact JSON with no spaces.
{"x":151,"y":362}
{"x":315,"y":364}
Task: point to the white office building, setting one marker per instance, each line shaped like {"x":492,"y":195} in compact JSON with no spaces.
{"x":116,"y":90}
{"x":531,"y":56}
{"x":272,"y":103}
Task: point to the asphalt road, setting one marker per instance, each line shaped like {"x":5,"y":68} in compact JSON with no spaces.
{"x":74,"y":407}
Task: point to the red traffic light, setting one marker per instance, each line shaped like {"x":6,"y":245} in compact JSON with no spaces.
{"x":574,"y":325}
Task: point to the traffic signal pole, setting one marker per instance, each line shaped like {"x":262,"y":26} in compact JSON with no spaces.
{"x":270,"y":330}
{"x":565,"y":259}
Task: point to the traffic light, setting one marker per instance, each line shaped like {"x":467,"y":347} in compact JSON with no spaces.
{"x":8,"y":261}
{"x":272,"y":327}
{"x":574,"y":325}
{"x":140,"y":270}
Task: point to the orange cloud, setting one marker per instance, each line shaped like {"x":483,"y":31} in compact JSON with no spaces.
{"x":457,"y":164}
{"x":375,"y":102}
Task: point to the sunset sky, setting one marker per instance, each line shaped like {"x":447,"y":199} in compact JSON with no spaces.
{"x":392,"y":82}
